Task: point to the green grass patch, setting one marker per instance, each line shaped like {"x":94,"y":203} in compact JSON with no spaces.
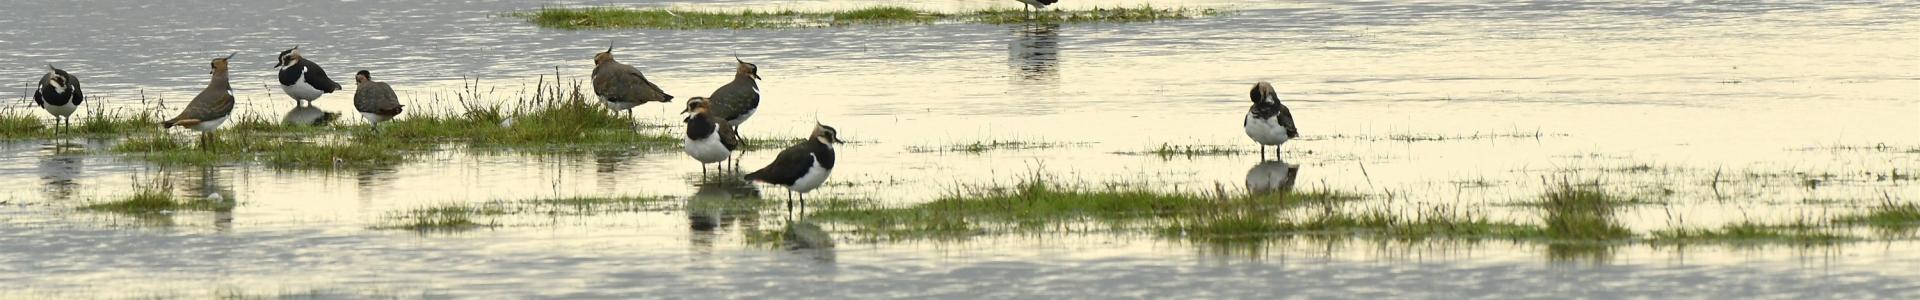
{"x":1168,"y":151}
{"x":17,"y":124}
{"x":1886,"y":215}
{"x":984,"y":146}
{"x":462,"y":216}
{"x":1794,"y":233}
{"x":1583,"y":212}
{"x":155,"y":200}
{"x":1039,"y":206}
{"x":674,"y":18}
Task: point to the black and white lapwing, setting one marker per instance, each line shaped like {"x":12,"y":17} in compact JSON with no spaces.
{"x":738,"y":100}
{"x":211,"y":107}
{"x":1268,"y":122}
{"x":704,"y":141}
{"x":375,"y":100}
{"x":302,"y":79}
{"x":802,"y":167}
{"x":620,"y":86}
{"x":1033,"y":5}
{"x":59,"y":94}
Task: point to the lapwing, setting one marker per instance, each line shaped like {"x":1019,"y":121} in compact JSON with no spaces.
{"x":1032,"y":5}
{"x":738,"y":100}
{"x":802,"y":167}
{"x":375,"y":100}
{"x":620,"y":86}
{"x":1268,"y":122}
{"x":211,"y":107}
{"x":705,"y":142}
{"x":302,"y":79}
{"x":59,"y":94}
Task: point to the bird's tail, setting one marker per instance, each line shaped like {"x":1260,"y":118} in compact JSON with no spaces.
{"x":166,"y":124}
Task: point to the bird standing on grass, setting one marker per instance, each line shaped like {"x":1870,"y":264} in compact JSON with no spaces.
{"x":705,"y":142}
{"x":59,"y":94}
{"x":211,"y":107}
{"x":303,"y":79}
{"x":1032,"y":5}
{"x":375,"y":100}
{"x":1268,"y":122}
{"x":736,"y":101}
{"x":620,"y":86}
{"x":802,"y":167}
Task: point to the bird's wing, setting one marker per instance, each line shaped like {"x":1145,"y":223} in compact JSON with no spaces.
{"x":733,"y":100}
{"x":601,"y":82}
{"x":291,"y":74}
{"x":376,"y":97}
{"x":730,"y":137}
{"x":318,"y":77}
{"x":653,"y":93}
{"x":788,"y":167}
{"x":77,"y":96}
{"x":1286,"y":119}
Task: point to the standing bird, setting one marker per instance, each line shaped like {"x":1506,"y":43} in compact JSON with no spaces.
{"x":803,"y":166}
{"x":621,"y":86}
{"x":59,"y":94}
{"x":738,"y":100}
{"x":1036,"y":5}
{"x":302,"y":79}
{"x":211,"y":107}
{"x":705,"y":141}
{"x":375,"y":100}
{"x":1268,"y":122}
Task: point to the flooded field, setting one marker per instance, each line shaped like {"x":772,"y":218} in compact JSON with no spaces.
{"x":1763,"y":150}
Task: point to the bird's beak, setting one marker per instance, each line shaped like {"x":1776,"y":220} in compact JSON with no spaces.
{"x":836,"y":139}
{"x":756,"y":75}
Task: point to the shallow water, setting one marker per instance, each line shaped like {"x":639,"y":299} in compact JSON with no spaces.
{"x":1652,"y":99}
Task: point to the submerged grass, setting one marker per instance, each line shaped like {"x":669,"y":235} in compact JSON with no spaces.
{"x":672,"y":18}
{"x":461,"y":216}
{"x":1888,"y":215}
{"x":1167,"y":151}
{"x":155,"y":199}
{"x":1794,"y":233}
{"x":984,"y":146}
{"x":1039,"y":205}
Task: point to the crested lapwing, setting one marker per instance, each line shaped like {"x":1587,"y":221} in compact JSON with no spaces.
{"x":302,"y":79}
{"x":1036,"y":5}
{"x":738,"y":100}
{"x":375,"y":100}
{"x":705,"y":142}
{"x":802,"y":167}
{"x":620,"y":86}
{"x":211,"y":107}
{"x":59,"y":94}
{"x":1268,"y":122}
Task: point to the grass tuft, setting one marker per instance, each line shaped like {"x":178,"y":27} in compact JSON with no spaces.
{"x":1886,"y":215}
{"x":155,"y":199}
{"x":461,"y":216}
{"x":1796,"y":233}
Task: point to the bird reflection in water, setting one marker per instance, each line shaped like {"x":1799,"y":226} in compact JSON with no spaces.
{"x":722,"y":200}
{"x":206,"y":185}
{"x":308,"y":115}
{"x":60,"y":170}
{"x":1272,"y":176}
{"x":1034,"y":53}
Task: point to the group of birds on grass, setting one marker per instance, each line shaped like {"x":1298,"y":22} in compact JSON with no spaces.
{"x":712,"y":122}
